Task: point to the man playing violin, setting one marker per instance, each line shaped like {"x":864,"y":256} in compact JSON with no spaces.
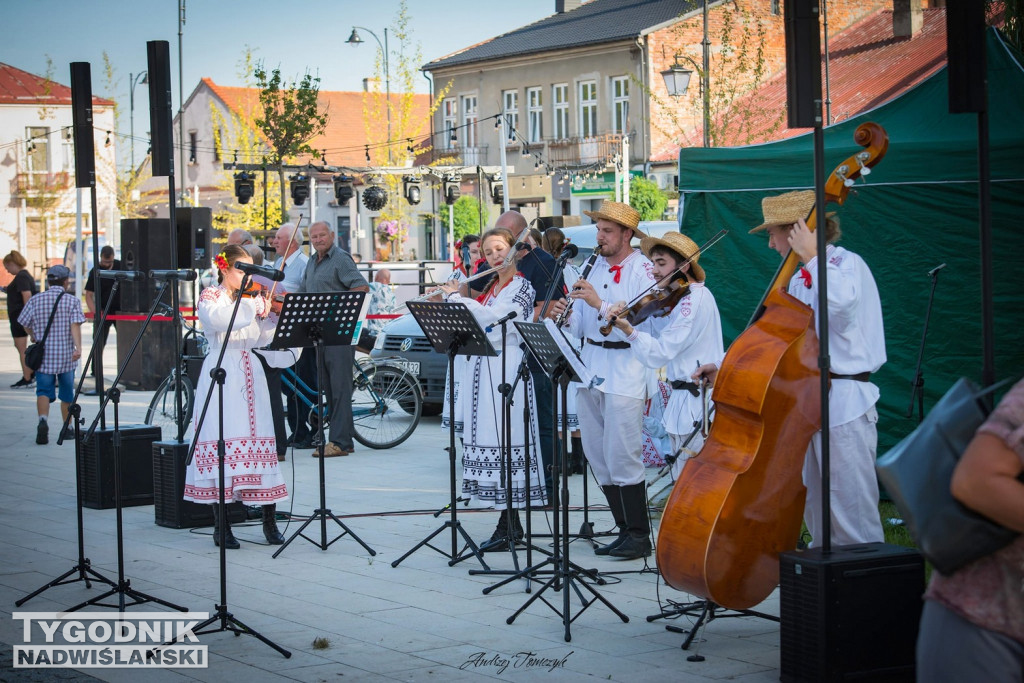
{"x":611,"y":413}
{"x":856,"y":342}
{"x":684,"y":332}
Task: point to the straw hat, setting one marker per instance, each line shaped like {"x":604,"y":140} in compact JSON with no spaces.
{"x":679,"y":243}
{"x":786,"y":209}
{"x":617,"y":212}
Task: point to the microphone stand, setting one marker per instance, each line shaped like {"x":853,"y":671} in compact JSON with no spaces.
{"x":917,"y":386}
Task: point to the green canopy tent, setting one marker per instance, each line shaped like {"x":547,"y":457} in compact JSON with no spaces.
{"x":917,"y":209}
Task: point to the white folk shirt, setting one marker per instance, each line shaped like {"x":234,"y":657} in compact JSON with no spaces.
{"x":690,"y":334}
{"x":294,"y":272}
{"x":623,"y":374}
{"x":856,"y":337}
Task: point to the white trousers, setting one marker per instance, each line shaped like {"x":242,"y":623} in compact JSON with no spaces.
{"x":611,"y":427}
{"x":696,"y":443}
{"x":853,"y":484}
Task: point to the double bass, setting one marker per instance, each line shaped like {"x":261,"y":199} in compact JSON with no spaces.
{"x":739,"y":502}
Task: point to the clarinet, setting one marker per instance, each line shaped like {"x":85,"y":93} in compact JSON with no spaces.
{"x":587,"y":267}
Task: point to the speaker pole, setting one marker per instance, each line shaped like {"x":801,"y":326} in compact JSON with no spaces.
{"x":159,"y":66}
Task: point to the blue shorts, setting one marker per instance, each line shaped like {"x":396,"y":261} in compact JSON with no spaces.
{"x":65,"y":381}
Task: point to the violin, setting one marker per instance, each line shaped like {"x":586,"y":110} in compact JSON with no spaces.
{"x":657,"y":304}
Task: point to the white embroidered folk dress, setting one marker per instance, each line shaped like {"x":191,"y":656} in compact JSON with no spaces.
{"x":478,"y":405}
{"x":251,"y":472}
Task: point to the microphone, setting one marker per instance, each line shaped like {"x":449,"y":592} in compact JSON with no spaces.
{"x":186,"y":275}
{"x":122,"y":275}
{"x":571,"y":249}
{"x":500,"y":321}
{"x":931,"y":273}
{"x":269,"y":272}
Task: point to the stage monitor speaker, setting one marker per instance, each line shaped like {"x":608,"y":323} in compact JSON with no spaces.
{"x":850,"y":615}
{"x":145,"y":246}
{"x":81,"y":105}
{"x":97,"y":471}
{"x":803,"y":63}
{"x":160,"y":123}
{"x":965,"y":54}
{"x":194,"y":227}
{"x":153,"y":359}
{"x":169,"y":487}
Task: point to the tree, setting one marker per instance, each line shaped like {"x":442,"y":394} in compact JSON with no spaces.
{"x":290,"y":116}
{"x":466,"y":214}
{"x":237,"y":136}
{"x":647,"y":198}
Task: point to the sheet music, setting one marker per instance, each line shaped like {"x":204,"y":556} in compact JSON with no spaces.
{"x":587,"y":378}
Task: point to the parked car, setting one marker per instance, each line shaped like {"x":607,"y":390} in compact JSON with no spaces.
{"x":404,"y":341}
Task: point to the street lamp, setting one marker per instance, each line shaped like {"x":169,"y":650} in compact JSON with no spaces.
{"x":355,"y":41}
{"x":677,"y":78}
{"x":142,"y":78}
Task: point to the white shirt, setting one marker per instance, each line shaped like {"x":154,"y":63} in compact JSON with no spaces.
{"x":856,"y":337}
{"x":623,"y":374}
{"x":294,"y":271}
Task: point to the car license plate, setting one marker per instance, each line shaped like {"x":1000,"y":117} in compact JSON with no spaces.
{"x":412,"y":367}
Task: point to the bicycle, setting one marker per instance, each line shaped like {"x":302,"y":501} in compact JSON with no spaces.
{"x":386,"y":402}
{"x":161,"y":411}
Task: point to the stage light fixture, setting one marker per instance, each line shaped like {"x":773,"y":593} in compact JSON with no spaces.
{"x":497,"y":191}
{"x":244,"y":187}
{"x":411,"y":190}
{"x":300,"y":188}
{"x":343,"y":191}
{"x":450,"y":189}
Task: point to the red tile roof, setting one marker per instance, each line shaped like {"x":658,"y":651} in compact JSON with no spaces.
{"x":21,"y":87}
{"x":868,"y":66}
{"x":344,"y":142}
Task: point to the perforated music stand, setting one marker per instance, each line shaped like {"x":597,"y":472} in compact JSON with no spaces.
{"x":565,"y":576}
{"x":319,"y":319}
{"x":453,"y":331}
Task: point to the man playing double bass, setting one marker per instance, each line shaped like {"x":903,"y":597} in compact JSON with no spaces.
{"x":856,"y":342}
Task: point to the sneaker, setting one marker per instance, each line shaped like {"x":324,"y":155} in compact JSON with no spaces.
{"x":43,"y":433}
{"x":23,"y":383}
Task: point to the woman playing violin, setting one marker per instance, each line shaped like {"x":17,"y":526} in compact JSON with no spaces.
{"x":252,"y":474}
{"x":689,"y":330}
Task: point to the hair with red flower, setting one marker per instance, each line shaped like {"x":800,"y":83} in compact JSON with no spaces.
{"x":221,"y":261}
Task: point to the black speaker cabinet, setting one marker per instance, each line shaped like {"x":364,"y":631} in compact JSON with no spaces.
{"x":154,"y":357}
{"x":97,"y":471}
{"x":81,"y":106}
{"x":850,"y":615}
{"x":965,"y":56}
{"x":169,"y":487}
{"x":803,"y":63}
{"x":161,"y":134}
{"x":145,"y":246}
{"x":194,"y":226}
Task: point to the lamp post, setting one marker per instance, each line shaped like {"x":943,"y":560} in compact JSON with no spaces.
{"x":355,"y":41}
{"x":142,"y":78}
{"x":677,"y":78}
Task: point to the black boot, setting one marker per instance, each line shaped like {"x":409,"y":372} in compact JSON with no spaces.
{"x":611,"y":492}
{"x":231,"y":543}
{"x":270,"y":531}
{"x":499,"y":539}
{"x":638,"y":541}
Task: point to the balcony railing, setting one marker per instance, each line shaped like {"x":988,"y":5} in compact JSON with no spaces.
{"x":41,"y":183}
{"x":583,"y":151}
{"x":467,"y":156}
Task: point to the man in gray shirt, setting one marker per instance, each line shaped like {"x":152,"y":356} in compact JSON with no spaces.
{"x":331,"y":269}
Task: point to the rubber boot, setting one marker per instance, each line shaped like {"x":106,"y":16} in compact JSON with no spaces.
{"x":231,"y":543}
{"x":638,"y":541}
{"x":611,"y":492}
{"x":270,"y":531}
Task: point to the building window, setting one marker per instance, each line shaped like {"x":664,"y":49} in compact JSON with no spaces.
{"x":510,"y":106}
{"x":68,"y":156}
{"x":588,"y":109}
{"x":535,"y":111}
{"x":620,"y":104}
{"x":560,"y":98}
{"x":218,"y":140}
{"x":450,"y":112}
{"x":193,"y":145}
{"x":469,"y":118}
{"x":38,"y":149}
{"x":775,"y":7}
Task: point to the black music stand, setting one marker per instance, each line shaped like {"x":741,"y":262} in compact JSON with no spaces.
{"x":453,"y":331}
{"x":565,"y":575}
{"x":319,"y":319}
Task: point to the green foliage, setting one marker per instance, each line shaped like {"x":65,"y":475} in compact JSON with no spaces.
{"x":466,"y":214}
{"x":646,"y":197}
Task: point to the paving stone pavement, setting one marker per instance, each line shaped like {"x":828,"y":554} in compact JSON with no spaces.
{"x":421,"y":621}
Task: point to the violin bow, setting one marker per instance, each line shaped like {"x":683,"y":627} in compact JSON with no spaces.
{"x":291,"y":240}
